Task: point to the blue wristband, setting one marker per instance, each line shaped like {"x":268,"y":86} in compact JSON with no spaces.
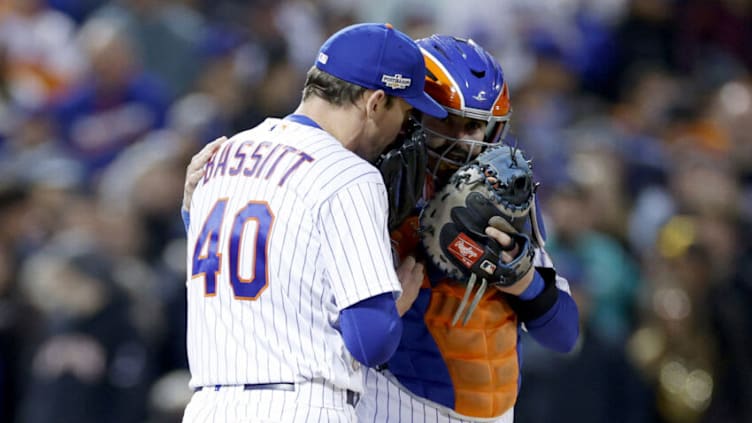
{"x":534,"y":289}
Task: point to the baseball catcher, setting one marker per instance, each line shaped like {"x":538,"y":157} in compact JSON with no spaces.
{"x":472,"y":230}
{"x":496,"y":189}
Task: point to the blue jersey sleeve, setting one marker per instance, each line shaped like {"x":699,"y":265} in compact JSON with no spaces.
{"x":372,"y":329}
{"x":535,"y":288}
{"x":559,"y":327}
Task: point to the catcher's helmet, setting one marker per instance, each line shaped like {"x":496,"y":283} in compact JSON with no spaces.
{"x":467,"y":81}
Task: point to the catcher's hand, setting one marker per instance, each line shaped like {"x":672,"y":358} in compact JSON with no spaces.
{"x":495,"y":189}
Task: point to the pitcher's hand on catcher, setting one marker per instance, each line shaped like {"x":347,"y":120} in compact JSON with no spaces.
{"x":410,"y":274}
{"x":196,"y":168}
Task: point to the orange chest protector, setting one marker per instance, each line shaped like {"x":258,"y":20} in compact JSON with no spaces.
{"x":481,"y":356}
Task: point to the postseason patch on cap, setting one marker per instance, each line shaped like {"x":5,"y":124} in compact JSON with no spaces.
{"x":396,"y":82}
{"x":323,"y":58}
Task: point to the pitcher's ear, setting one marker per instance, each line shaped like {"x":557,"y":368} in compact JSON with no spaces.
{"x":375,"y":100}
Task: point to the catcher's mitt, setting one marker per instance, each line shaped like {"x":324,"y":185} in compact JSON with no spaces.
{"x":495,"y":189}
{"x":402,"y":165}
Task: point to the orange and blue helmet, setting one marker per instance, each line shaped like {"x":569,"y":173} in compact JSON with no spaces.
{"x":468,"y":82}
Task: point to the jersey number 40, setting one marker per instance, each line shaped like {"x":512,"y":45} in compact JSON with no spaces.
{"x":207,"y":255}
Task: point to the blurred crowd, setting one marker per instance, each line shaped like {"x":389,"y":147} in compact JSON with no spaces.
{"x":637,"y":115}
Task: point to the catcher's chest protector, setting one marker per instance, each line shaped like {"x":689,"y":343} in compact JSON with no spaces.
{"x":481,"y":356}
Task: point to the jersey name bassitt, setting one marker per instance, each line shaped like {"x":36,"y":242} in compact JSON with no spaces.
{"x":257,"y":159}
{"x":287,"y":228}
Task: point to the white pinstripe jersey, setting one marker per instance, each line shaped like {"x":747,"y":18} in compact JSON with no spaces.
{"x":287,"y":228}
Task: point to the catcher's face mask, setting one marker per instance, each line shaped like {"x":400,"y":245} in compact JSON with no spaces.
{"x":402,"y":165}
{"x":455,"y":141}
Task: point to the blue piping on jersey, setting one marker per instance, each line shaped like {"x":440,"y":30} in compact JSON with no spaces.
{"x":303,"y":120}
{"x":186,"y":218}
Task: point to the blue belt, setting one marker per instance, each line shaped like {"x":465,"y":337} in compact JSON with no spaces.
{"x":255,"y":386}
{"x":352,"y":396}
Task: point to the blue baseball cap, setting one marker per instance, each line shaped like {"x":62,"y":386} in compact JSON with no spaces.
{"x":379,"y":57}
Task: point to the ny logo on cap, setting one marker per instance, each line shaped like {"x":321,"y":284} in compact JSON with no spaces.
{"x":396,"y":82}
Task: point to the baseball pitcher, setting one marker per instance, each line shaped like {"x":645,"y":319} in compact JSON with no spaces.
{"x":291,"y":283}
